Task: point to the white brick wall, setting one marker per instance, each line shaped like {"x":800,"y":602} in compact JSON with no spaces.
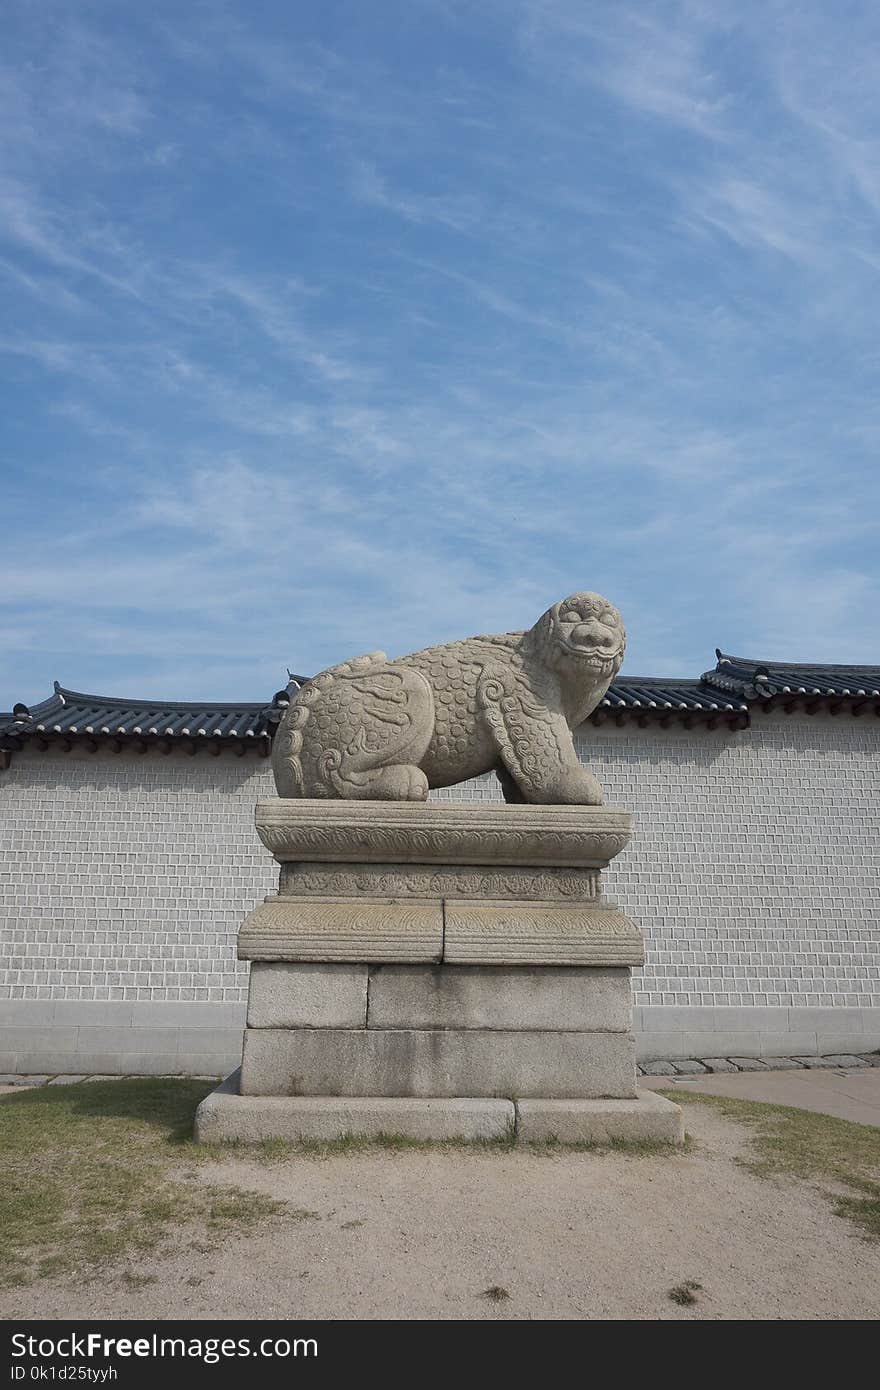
{"x":754,"y":868}
{"x":129,"y":875}
{"x":755,"y":860}
{"x":753,"y":872}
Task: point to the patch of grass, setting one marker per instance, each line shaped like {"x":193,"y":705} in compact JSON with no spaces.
{"x":686,"y":1293}
{"x":132,"y":1280}
{"x":87,"y":1176}
{"x":271,"y":1150}
{"x":496,"y":1293}
{"x":634,"y":1148}
{"x":401,"y":1143}
{"x":864,"y":1211}
{"x":819,"y":1148}
{"x":281,"y":1150}
{"x":237,"y":1210}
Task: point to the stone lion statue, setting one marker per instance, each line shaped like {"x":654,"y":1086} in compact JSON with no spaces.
{"x":373,"y":728}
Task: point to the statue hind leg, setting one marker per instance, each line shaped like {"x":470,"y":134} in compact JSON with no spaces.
{"x":367,"y":730}
{"x":397,"y":782}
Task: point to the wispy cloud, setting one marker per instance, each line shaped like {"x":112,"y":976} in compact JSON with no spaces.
{"x":461,"y":212}
{"x":756,"y":218}
{"x":656,"y":62}
{"x":317,"y":343}
{"x":28,"y":223}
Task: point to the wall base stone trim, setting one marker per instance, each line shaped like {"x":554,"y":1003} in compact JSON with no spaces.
{"x":206,"y":1040}
{"x":727,"y":1032}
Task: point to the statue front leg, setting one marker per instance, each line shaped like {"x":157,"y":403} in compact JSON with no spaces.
{"x":553,"y":775}
{"x":536,"y":749}
{"x":509,"y":787}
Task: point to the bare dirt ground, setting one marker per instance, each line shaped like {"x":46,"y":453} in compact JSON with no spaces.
{"x":424,"y":1233}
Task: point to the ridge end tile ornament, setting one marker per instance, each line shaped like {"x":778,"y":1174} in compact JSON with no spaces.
{"x":390,"y":730}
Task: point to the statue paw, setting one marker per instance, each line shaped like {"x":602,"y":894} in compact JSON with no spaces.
{"x":577,"y":787}
{"x":401,"y":782}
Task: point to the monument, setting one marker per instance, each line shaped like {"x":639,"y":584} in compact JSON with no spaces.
{"x":444,"y":970}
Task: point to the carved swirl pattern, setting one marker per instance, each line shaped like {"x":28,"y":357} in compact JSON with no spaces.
{"x":522,"y":722}
{"x":392,"y":881}
{"x":471,"y":922}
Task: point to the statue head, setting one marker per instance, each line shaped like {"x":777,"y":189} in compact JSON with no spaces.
{"x":583,"y":636}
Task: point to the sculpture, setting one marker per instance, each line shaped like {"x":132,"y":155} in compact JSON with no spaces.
{"x":372,"y":728}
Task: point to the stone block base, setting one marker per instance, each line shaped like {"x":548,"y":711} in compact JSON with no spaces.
{"x":432,"y":966}
{"x":646,"y":1117}
{"x":570,"y":998}
{"x":422,"y":931}
{"x":436,"y":1062}
{"x":227,"y":1117}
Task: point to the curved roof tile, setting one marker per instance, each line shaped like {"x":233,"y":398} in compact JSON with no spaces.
{"x":760,"y":680}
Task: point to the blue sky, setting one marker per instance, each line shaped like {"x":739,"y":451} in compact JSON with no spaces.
{"x":329,"y":327}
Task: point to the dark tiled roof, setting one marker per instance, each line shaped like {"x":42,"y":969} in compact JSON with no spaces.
{"x":72,"y":714}
{"x":761,"y":680}
{"x":724,"y":695}
{"x":655,"y":694}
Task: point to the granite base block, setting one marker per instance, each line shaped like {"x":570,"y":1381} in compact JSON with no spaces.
{"x":436,"y":1062}
{"x":576,"y":998}
{"x":227,"y":1117}
{"x":283,"y":994}
{"x":648,"y":1117}
{"x":459,"y":932}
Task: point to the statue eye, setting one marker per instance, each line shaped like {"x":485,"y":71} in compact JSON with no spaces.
{"x":571,"y":616}
{"x":609,"y":619}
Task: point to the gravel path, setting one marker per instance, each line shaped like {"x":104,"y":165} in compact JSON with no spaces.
{"x":423,"y":1234}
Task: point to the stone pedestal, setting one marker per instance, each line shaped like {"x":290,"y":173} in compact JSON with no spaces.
{"x":439,"y":972}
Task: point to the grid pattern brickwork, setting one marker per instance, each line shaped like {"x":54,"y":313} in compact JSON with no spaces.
{"x":755,"y":859}
{"x":128,"y":876}
{"x":753,"y":869}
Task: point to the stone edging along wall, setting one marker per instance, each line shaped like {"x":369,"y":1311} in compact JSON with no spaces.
{"x":753,"y":872}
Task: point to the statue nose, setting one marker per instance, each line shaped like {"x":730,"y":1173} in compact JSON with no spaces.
{"x":595,"y":633}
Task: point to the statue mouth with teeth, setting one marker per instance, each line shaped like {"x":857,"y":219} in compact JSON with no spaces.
{"x":373,"y":728}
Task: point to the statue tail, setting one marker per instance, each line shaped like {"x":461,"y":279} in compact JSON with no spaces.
{"x":286,"y":750}
{"x":288,"y":745}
